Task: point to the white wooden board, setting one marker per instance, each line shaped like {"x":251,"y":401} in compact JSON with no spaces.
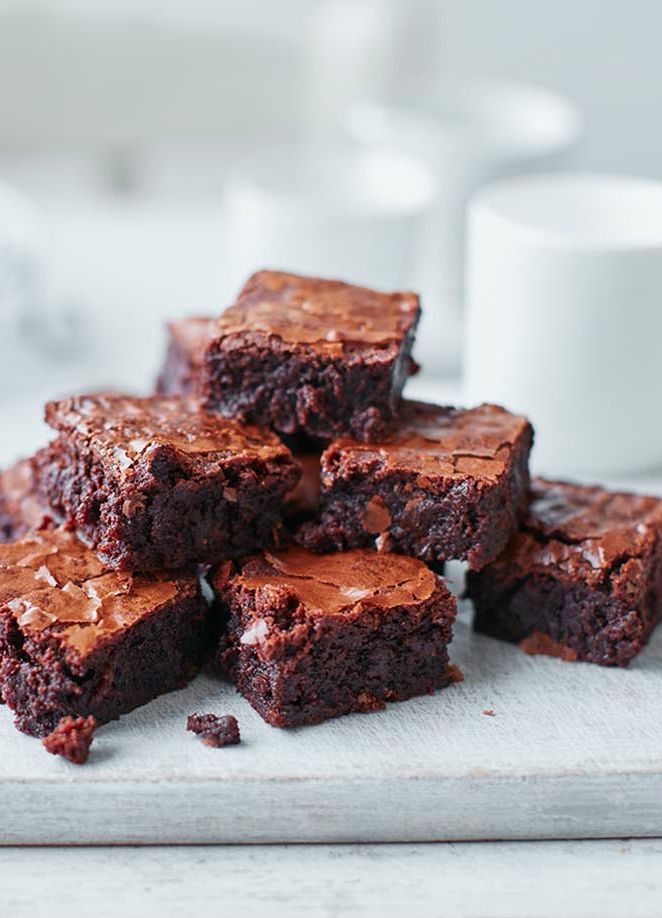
{"x":572,"y":751}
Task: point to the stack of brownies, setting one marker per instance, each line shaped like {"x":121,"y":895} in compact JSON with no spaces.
{"x":278,"y":464}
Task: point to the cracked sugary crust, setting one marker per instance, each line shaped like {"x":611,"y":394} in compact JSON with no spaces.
{"x":155,"y":484}
{"x":449,"y":484}
{"x":581,"y":579}
{"x":311,"y":638}
{"x":310,"y":356}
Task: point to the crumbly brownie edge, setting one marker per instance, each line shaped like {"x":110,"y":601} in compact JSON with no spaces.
{"x":41,"y":681}
{"x":301,"y":390}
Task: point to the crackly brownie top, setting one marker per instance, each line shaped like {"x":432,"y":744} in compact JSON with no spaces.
{"x":128,"y":428}
{"x":50,"y":581}
{"x":326,"y":313}
{"x":331,"y":583}
{"x":583,"y":529}
{"x":20,"y":508}
{"x":443,"y":442}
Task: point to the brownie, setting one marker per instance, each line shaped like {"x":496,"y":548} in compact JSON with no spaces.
{"x":77,"y":639}
{"x":155,"y":483}
{"x":449,"y":484}
{"x":215,"y":731}
{"x":309,"y":356}
{"x":581,"y":580}
{"x":21,"y":510}
{"x":311,"y":637}
{"x":181,"y":373}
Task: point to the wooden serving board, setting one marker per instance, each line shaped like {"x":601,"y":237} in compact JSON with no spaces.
{"x":571,"y":751}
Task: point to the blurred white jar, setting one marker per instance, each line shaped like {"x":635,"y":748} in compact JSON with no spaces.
{"x":470,"y":131}
{"x":341,"y":212}
{"x":564,"y":317}
{"x":22,"y":273}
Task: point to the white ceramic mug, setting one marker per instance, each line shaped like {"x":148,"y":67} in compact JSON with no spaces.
{"x":564,"y":316}
{"x":470,"y":131}
{"x":340,"y":212}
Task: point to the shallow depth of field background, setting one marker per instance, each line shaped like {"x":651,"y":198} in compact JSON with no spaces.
{"x":125,"y":120}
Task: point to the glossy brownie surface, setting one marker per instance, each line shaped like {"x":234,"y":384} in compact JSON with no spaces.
{"x":314,"y":311}
{"x":582,"y":579}
{"x":70,"y":627}
{"x":156,"y":483}
{"x":128,"y":428}
{"x":448,"y":484}
{"x":312,"y":637}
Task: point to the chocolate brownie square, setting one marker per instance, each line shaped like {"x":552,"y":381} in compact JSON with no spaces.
{"x":21,"y":510}
{"x":77,"y":639}
{"x":155,"y":483}
{"x":582,"y":579}
{"x":311,"y":356}
{"x":311,"y":637}
{"x":448,"y":484}
{"x":181,"y":373}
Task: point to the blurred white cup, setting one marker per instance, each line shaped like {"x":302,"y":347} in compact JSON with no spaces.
{"x":340,"y":212}
{"x":564,"y":316}
{"x":470,"y":131}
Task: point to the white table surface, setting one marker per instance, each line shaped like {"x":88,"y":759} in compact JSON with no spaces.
{"x":609,"y":879}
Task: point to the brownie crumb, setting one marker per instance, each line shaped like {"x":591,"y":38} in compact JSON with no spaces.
{"x":454,"y":673}
{"x":540,"y":643}
{"x":215,"y":731}
{"x":367,"y":702}
{"x":72,"y":738}
{"x":489,"y":712}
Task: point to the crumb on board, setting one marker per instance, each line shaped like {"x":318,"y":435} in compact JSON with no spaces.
{"x":215,"y":731}
{"x":72,"y":738}
{"x":540,"y":644}
{"x":454,"y":673}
